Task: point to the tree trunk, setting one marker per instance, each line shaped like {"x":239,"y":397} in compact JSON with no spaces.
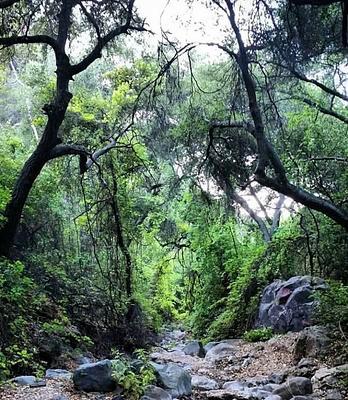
{"x":13,"y":212}
{"x":33,"y":166}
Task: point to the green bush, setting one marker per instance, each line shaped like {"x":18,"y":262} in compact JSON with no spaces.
{"x":133,"y":380}
{"x":333,"y":306}
{"x":258,"y":335}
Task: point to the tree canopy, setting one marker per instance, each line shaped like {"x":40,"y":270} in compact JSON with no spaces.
{"x":144,"y":179}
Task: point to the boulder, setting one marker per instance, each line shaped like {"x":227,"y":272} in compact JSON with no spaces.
{"x":94,"y":377}
{"x":173,"y":379}
{"x":194,"y":348}
{"x":288,"y":305}
{"x":155,"y":393}
{"x":220,"y":351}
{"x":293,"y":387}
{"x":329,"y":383}
{"x":312,"y":342}
{"x":204,"y":383}
{"x":58,"y":373}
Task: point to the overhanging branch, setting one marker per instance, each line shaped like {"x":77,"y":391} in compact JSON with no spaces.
{"x":87,"y":159}
{"x":35,"y":39}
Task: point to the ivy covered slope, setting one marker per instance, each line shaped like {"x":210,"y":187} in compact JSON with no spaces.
{"x":142,"y":185}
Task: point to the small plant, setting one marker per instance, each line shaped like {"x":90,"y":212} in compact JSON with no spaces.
{"x":133,"y":380}
{"x":258,"y":335}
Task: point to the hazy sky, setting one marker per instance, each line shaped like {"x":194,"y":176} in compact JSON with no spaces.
{"x":193,"y":23}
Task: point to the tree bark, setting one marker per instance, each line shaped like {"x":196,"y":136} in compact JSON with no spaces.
{"x":34,"y":165}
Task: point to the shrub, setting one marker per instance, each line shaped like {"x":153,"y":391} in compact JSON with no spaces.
{"x":133,"y":380}
{"x":333,"y":306}
{"x":258,"y":335}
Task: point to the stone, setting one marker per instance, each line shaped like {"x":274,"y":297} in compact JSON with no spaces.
{"x":300,"y":398}
{"x":225,"y":395}
{"x":328,"y":382}
{"x":220,"y":351}
{"x":80,"y":360}
{"x":173,"y":379}
{"x":94,"y":377}
{"x":259,"y":393}
{"x":58,"y":373}
{"x":312,"y":342}
{"x":155,"y":393}
{"x":28,"y":380}
{"x":204,"y":383}
{"x":289,"y":305}
{"x":300,"y":385}
{"x":306,"y":363}
{"x":194,"y":348}
{"x":236,"y":386}
{"x":270,"y":387}
{"x":277,"y":378}
{"x":294,"y":386}
{"x":209,"y":346}
{"x":244,"y":390}
{"x":273,"y":397}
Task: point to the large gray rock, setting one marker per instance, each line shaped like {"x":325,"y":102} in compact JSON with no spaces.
{"x":294,"y":386}
{"x":194,"y":348}
{"x":95,"y":377}
{"x":173,"y":379}
{"x":312,"y":342}
{"x":289,"y":305}
{"x":204,"y":383}
{"x":156,"y":393}
{"x":220,"y":351}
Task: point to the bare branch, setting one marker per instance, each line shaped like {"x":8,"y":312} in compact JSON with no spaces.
{"x":324,"y":110}
{"x":103,"y":41}
{"x":304,"y":78}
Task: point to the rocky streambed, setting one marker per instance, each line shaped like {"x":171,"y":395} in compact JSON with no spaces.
{"x":286,"y":367}
{"x":283,"y":368}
